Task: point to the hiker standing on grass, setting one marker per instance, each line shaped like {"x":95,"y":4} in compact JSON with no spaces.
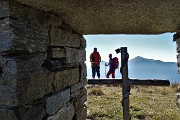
{"x":111,"y":67}
{"x":95,"y":60}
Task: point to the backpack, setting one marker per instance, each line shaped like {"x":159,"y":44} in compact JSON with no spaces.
{"x":95,"y":58}
{"x":115,"y":63}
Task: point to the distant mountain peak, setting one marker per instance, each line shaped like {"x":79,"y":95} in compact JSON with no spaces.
{"x":139,"y":58}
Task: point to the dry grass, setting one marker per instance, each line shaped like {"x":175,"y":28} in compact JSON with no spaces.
{"x":176,"y":87}
{"x":146,"y":103}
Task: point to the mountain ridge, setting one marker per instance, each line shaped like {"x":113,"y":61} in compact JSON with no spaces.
{"x":144,"y":68}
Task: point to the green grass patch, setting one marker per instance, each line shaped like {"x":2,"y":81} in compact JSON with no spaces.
{"x":148,"y":103}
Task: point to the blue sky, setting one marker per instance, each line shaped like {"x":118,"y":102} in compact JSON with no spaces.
{"x":158,"y":47}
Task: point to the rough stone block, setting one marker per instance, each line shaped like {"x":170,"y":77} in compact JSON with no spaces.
{"x":79,"y":93}
{"x":178,"y":48}
{"x":75,"y":55}
{"x":7,"y":114}
{"x":8,"y":95}
{"x":28,"y":31}
{"x":35,"y":87}
{"x":84,"y":97}
{"x":32,"y":111}
{"x":83,"y":43}
{"x":78,"y":86}
{"x":63,"y":38}
{"x":80,"y":110}
{"x":4,"y":9}
{"x":65,"y":78}
{"x":82,"y":55}
{"x":71,"y":55}
{"x":53,"y":64}
{"x":57,"y":101}
{"x":76,"y":93}
{"x":83,"y":71}
{"x":6,"y":34}
{"x":21,"y":64}
{"x":22,"y":90}
{"x":66,"y":113}
{"x":178,"y":41}
{"x":23,"y":13}
{"x":20,"y":36}
{"x":82,"y":113}
{"x":24,"y":80}
{"x":57,"y":52}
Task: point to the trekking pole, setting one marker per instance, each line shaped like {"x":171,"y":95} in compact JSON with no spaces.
{"x":105,"y":69}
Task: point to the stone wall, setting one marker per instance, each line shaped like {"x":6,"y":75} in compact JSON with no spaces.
{"x":176,"y":38}
{"x":42,"y":69}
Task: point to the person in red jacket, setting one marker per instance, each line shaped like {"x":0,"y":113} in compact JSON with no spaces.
{"x":111,"y":67}
{"x":95,"y":60}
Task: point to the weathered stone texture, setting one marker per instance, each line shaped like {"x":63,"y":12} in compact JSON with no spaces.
{"x":65,"y":113}
{"x":79,"y":93}
{"x":25,"y":80}
{"x":115,"y":16}
{"x":7,"y":114}
{"x":24,"y":13}
{"x":18,"y":34}
{"x":78,"y":86}
{"x":177,"y":39}
{"x":32,"y":111}
{"x":81,"y":110}
{"x":83,"y":43}
{"x":64,"y":38}
{"x":83,"y":71}
{"x":42,"y":67}
{"x":22,"y":90}
{"x":57,"y":53}
{"x":57,"y":101}
{"x":65,"y":78}
{"x":75,"y":55}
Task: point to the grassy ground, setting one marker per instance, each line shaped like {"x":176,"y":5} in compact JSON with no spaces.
{"x":146,"y":103}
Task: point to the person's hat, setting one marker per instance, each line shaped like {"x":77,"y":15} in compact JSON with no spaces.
{"x":110,"y":55}
{"x":95,"y":49}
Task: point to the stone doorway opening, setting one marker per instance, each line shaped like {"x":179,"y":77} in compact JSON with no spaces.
{"x":98,"y":90}
{"x":154,"y":47}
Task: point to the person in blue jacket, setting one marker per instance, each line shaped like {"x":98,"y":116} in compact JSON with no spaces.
{"x":111,"y":67}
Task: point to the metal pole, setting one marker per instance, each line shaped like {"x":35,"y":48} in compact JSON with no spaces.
{"x":125,"y":83}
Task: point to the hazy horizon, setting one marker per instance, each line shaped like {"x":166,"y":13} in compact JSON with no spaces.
{"x":158,"y":47}
{"x":144,"y":68}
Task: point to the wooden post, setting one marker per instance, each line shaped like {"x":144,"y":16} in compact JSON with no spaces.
{"x":125,"y":84}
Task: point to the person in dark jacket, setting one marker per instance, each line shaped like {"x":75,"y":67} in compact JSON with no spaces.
{"x":95,"y":60}
{"x":111,"y":67}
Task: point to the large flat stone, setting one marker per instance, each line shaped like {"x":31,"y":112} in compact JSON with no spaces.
{"x":32,"y":111}
{"x":83,"y":71}
{"x":64,"y":38}
{"x":57,"y":53}
{"x":78,"y":85}
{"x":66,"y":113}
{"x":57,"y":101}
{"x":7,"y":114}
{"x":66,"y":78}
{"x":74,"y":55}
{"x":23,"y":81}
{"x":114,"y":16}
{"x":23,"y":28}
